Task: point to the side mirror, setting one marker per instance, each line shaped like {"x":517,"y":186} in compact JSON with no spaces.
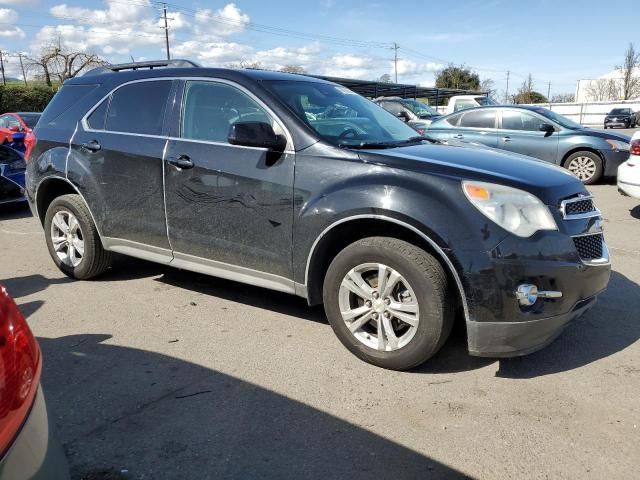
{"x":547,"y":129}
{"x":256,"y":134}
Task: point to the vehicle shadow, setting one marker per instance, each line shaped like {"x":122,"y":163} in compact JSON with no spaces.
{"x":30,"y":284}
{"x":128,"y":413}
{"x":14,"y":211}
{"x":635,"y":212}
{"x":611,"y":326}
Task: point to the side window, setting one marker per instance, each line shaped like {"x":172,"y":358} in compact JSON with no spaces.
{"x":462,"y":104}
{"x":13,"y":122}
{"x":479,"y":119}
{"x":97,"y":118}
{"x":453,"y":119}
{"x":3,"y":121}
{"x":138,"y":108}
{"x":210,"y":108}
{"x":393,"y":107}
{"x":512,"y":120}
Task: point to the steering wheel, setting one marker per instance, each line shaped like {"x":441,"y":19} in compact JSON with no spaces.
{"x":348,"y":131}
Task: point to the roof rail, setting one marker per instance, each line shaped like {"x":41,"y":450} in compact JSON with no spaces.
{"x":177,"y":63}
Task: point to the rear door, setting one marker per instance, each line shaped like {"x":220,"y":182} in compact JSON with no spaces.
{"x":116,"y":162}
{"x":520,"y":133}
{"x":230,"y":213}
{"x":478,"y":126}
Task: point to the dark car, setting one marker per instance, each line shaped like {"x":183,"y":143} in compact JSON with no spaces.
{"x":223,"y":172}
{"x":27,"y":448}
{"x":540,"y":133}
{"x":12,"y":169}
{"x":620,"y":117}
{"x":416,"y":114}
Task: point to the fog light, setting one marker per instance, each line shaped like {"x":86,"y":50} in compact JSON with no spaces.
{"x":528,"y":294}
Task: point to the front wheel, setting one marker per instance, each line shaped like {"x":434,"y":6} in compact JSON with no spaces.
{"x":73,"y":240}
{"x":388,"y":302}
{"x":587,"y":166}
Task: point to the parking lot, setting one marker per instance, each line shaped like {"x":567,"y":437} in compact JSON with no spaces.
{"x":157,"y":373}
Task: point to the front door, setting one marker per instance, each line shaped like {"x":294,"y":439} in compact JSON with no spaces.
{"x":478,"y":126}
{"x":520,"y":133}
{"x":229,"y":208}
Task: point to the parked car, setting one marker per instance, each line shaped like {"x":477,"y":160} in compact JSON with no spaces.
{"x":21,"y":122}
{"x":27,"y":447}
{"x":629,"y":171}
{"x":12,"y":169}
{"x":222,"y":172}
{"x":620,"y":117}
{"x":540,"y":133}
{"x":462,"y":102}
{"x":417,"y":115}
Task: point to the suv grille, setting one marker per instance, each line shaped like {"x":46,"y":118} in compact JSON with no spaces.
{"x":578,"y":207}
{"x":590,"y":247}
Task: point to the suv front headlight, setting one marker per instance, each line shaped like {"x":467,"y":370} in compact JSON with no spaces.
{"x":515,"y":210}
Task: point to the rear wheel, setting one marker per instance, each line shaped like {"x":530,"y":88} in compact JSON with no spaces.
{"x":587,"y":166}
{"x":73,"y":240}
{"x":387,"y":301}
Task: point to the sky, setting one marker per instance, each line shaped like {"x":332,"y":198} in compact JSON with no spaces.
{"x":555,"y":41}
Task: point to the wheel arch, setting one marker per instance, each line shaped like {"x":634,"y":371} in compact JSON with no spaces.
{"x":343,"y":232}
{"x":52,"y":187}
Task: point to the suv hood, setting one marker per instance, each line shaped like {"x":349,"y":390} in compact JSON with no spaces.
{"x":548,"y":182}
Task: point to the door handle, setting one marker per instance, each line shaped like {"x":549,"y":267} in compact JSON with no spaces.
{"x":92,"y":146}
{"x":459,"y":135}
{"x":506,"y":139}
{"x":182,"y":162}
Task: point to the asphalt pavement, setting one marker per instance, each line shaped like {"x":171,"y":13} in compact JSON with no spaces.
{"x":156,"y":373}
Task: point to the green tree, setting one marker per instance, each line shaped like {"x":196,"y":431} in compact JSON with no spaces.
{"x":458,"y":77}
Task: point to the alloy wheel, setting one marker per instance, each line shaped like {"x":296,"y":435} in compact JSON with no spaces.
{"x":379,"y":306}
{"x":67,"y":238}
{"x":583,"y":167}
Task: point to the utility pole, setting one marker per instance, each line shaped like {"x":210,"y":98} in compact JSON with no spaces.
{"x":4,"y":80}
{"x":395,"y":59}
{"x":506,"y":95}
{"x":166,"y":29}
{"x":549,"y":94}
{"x":24,"y":75}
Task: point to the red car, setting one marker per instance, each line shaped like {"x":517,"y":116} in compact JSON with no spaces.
{"x":24,"y":122}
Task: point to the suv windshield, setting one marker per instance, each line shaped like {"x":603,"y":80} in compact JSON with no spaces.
{"x":340,"y":116}
{"x":620,"y":111}
{"x":561,"y":120}
{"x":419,"y":108}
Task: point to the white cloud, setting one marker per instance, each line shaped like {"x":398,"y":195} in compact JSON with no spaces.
{"x":409,"y":67}
{"x":7,"y":17}
{"x":210,"y":25}
{"x":115,"y":12}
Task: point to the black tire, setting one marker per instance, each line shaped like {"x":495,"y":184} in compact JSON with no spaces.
{"x":597,"y":175}
{"x":95,"y":259}
{"x":427,"y":279}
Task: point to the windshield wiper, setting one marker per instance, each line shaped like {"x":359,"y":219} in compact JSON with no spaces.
{"x":384,"y":144}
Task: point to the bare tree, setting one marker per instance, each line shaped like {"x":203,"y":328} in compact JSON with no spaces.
{"x":57,"y":63}
{"x":385,"y":78}
{"x":489,"y":86}
{"x":630,"y":81}
{"x":563,"y":98}
{"x":293,"y":69}
{"x":604,"y":89}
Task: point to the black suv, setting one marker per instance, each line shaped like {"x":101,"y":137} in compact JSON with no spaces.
{"x":416,"y":114}
{"x":234,"y":174}
{"x":620,"y":117}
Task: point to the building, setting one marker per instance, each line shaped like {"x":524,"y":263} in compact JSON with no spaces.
{"x":608,"y":87}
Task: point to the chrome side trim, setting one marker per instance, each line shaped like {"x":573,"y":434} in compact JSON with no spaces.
{"x":138,"y":250}
{"x":164,"y":192}
{"x":66,"y":160}
{"x":232,"y":272}
{"x":86,"y":128}
{"x":433,"y":244}
{"x":77,"y":191}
